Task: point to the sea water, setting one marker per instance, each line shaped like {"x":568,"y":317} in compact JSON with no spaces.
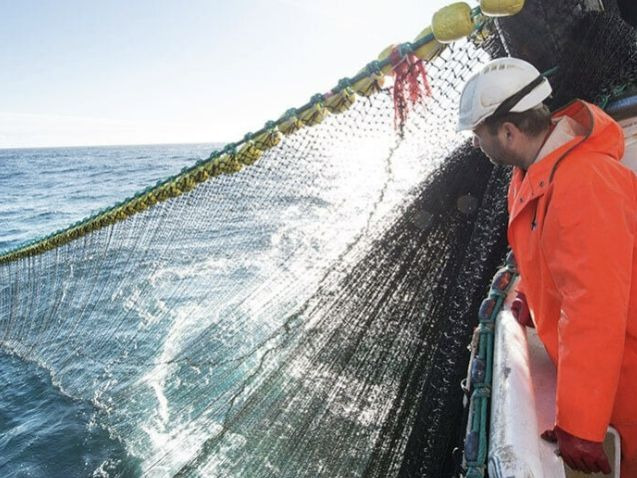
{"x":43,"y":432}
{"x":191,"y":389}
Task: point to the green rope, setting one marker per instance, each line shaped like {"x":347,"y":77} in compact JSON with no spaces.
{"x":477,"y":440}
{"x":219,"y":162}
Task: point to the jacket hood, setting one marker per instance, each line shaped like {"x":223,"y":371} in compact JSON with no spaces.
{"x":597,"y":134}
{"x":603,"y":133}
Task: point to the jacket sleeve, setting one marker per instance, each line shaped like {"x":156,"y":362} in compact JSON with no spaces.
{"x":588,"y":241}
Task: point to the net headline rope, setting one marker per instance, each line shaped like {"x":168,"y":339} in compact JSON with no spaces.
{"x":458,"y":20}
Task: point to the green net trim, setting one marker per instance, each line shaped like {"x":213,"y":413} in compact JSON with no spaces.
{"x":235,"y":156}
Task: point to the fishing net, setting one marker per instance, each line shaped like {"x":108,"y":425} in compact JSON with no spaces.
{"x":297,"y":305}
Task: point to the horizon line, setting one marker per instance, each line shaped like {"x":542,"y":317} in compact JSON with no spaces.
{"x":177,"y":143}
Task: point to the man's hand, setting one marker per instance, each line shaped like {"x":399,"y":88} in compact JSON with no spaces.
{"x":520,"y":310}
{"x":579,"y":454}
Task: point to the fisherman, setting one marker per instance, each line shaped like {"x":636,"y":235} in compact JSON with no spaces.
{"x":573,"y":231}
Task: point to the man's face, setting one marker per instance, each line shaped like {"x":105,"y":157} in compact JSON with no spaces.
{"x":498,"y":147}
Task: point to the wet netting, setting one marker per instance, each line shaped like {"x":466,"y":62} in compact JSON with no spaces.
{"x":297,"y":305}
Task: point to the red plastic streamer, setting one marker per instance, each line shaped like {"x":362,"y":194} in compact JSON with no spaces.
{"x":407,"y":70}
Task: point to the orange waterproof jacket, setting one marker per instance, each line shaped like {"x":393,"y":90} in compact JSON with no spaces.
{"x":573,"y":230}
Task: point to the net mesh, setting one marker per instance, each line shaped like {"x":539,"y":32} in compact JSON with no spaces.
{"x":283,"y":320}
{"x":308,"y":315}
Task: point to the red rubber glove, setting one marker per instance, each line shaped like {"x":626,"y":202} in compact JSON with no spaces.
{"x":520,"y":310}
{"x":579,"y":454}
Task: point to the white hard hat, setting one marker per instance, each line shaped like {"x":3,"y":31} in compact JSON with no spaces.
{"x":500,"y":80}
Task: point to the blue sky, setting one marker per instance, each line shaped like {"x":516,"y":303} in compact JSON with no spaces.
{"x":139,"y":71}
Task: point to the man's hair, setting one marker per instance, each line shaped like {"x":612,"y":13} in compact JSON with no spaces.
{"x":531,"y":122}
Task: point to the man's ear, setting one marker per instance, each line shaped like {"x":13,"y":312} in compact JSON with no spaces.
{"x":509,"y":131}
